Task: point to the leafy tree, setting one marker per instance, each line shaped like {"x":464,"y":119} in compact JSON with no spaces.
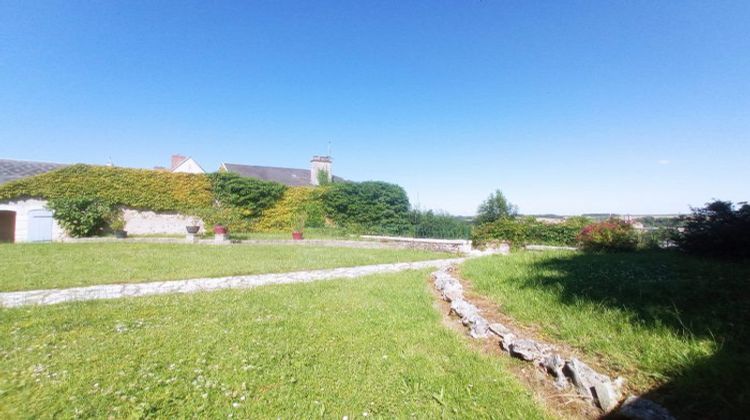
{"x":718,"y":230}
{"x":495,"y":207}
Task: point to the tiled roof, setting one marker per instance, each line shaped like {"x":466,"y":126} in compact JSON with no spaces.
{"x":286,"y":176}
{"x":16,"y":169}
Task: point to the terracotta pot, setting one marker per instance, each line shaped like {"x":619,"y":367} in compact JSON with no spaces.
{"x":220,"y":230}
{"x":297,"y":236}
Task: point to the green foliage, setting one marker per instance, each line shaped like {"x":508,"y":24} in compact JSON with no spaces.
{"x":373,"y":207}
{"x":136,"y":188}
{"x":718,"y":230}
{"x":323,"y":177}
{"x":296,"y":200}
{"x":250,"y":194}
{"x":610,"y":235}
{"x":528,"y":230}
{"x":116,"y":220}
{"x":428,"y":224}
{"x":81,"y":216}
{"x":495,"y":207}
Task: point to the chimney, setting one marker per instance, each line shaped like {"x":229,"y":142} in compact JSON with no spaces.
{"x":320,"y":164}
{"x":176,"y":161}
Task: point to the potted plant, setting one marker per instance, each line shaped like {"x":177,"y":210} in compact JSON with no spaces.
{"x":193,"y":227}
{"x":220,"y":229}
{"x":117,"y":224}
{"x":298,"y":226}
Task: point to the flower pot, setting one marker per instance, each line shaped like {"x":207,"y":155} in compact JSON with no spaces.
{"x":121,"y":234}
{"x":297,"y":236}
{"x":192,"y":229}
{"x":220,"y":230}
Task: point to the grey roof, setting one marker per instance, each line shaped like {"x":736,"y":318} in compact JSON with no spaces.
{"x":286,"y":176}
{"x":11,"y":170}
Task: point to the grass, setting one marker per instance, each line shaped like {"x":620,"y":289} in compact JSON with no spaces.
{"x":369,"y":347}
{"x":673,"y":325}
{"x":39,"y":266}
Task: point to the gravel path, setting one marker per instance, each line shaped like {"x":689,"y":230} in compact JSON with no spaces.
{"x":114,"y":291}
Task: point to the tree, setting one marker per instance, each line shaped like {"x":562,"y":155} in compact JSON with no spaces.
{"x":495,"y":207}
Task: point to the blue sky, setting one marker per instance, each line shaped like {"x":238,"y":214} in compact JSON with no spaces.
{"x":568,"y":107}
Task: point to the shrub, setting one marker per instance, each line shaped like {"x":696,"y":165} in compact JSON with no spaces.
{"x":81,"y":216}
{"x":373,"y":207}
{"x":610,"y":235}
{"x":495,"y":207}
{"x":251,"y":194}
{"x":719,"y":230}
{"x":528,"y":230}
{"x":136,"y":188}
{"x":428,"y":224}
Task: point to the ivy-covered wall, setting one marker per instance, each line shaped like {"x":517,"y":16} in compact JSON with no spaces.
{"x":135,"y":188}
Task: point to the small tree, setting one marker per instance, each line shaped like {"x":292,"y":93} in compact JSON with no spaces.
{"x":495,"y":207}
{"x":720,"y":229}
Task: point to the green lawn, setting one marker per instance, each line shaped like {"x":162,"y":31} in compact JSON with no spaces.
{"x":38,"y":266}
{"x":369,"y":347}
{"x":674,"y":325}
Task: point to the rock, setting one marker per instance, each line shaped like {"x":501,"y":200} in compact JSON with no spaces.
{"x":638,"y":408}
{"x":499,"y":329}
{"x":593,"y":385}
{"x":528,"y":350}
{"x":554,"y":364}
{"x":479,"y":327}
{"x":463,"y":308}
{"x":506,"y":340}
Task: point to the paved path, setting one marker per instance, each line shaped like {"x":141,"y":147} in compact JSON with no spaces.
{"x":114,"y":291}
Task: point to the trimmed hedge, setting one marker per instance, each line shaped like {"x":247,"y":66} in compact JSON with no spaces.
{"x":372,"y":207}
{"x":528,"y":230}
{"x":136,"y":188}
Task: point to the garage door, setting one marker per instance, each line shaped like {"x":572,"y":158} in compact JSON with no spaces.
{"x":40,"y":225}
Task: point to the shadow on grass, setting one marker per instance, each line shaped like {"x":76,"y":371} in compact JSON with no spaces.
{"x":691,"y":296}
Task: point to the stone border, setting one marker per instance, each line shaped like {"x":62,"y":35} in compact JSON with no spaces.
{"x":114,"y":291}
{"x":598,"y":388}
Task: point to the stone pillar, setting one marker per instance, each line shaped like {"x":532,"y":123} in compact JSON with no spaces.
{"x":220,"y":238}
{"x":191,"y":238}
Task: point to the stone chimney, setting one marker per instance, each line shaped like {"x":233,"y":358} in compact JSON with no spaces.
{"x":176,"y":161}
{"x":319,"y":164}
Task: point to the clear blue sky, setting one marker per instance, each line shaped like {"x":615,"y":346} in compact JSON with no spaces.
{"x":568,"y":107}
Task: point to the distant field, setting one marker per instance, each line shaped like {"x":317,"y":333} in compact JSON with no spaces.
{"x":675,"y":326}
{"x":374,"y":347}
{"x":40,"y":266}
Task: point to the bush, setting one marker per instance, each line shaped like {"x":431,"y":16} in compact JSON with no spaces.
{"x":81,"y":216}
{"x":250,"y":194}
{"x":717,"y":230}
{"x":136,"y":188}
{"x":528,"y":230}
{"x":372,"y":207}
{"x":428,"y":224}
{"x":610,"y":235}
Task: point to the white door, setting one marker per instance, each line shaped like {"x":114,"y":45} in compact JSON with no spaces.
{"x":40,"y":225}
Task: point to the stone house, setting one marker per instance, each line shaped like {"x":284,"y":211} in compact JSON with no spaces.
{"x":288,"y":176}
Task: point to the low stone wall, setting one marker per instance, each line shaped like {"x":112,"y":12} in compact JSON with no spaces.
{"x":143,"y":222}
{"x":456,"y":246}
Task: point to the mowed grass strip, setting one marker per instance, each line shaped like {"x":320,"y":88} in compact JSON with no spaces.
{"x":373,"y":347}
{"x":675,"y":326}
{"x":44,"y":266}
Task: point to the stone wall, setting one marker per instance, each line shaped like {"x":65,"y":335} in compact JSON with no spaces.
{"x":456,"y":246}
{"x":144,"y":222}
